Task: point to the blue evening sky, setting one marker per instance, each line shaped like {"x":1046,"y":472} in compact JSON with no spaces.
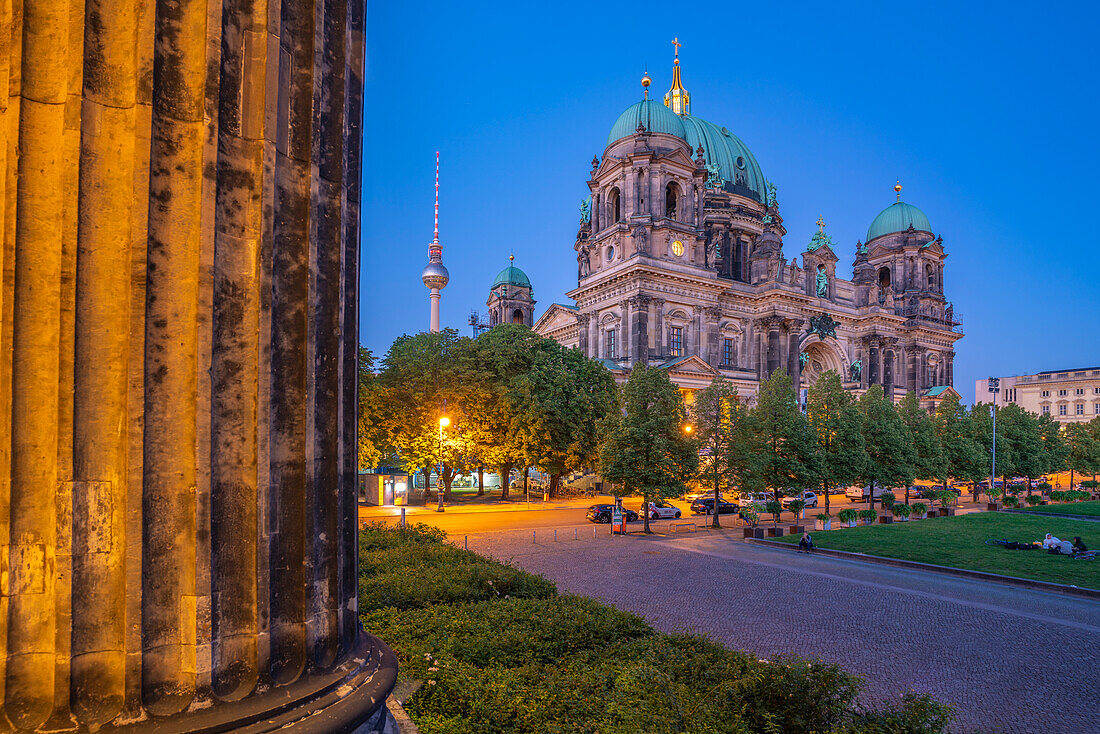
{"x":986,"y":112}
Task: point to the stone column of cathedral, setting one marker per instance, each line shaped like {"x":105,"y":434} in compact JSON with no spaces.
{"x":105,"y":301}
{"x":659,"y":343}
{"x":594,"y":335}
{"x":583,"y":320}
{"x":624,"y":333}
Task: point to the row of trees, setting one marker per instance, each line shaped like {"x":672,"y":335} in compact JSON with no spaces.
{"x":516,"y":400}
{"x":513,"y":399}
{"x":839,"y":440}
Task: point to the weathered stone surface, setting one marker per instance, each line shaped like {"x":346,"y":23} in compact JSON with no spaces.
{"x":178,"y":347}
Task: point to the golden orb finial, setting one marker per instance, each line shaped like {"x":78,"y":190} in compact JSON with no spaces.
{"x":511,"y":258}
{"x":897,"y":189}
{"x":646,"y":81}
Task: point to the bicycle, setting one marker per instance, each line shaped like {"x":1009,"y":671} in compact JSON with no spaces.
{"x":1086,"y":555}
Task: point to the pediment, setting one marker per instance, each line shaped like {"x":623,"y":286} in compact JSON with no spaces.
{"x":692,"y":365}
{"x":554,"y":318}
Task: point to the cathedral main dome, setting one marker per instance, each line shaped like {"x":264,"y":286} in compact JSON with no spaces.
{"x":737,"y":165}
{"x":896,"y":218}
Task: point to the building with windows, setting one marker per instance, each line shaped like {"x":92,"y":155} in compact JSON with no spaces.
{"x":680,"y":263}
{"x":1067,"y":396}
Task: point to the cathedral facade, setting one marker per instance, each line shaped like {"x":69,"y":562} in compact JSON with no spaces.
{"x":680,"y":264}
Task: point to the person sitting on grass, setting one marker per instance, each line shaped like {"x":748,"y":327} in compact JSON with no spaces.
{"x":1079,"y":545}
{"x":1051,"y":542}
{"x":806,"y":543}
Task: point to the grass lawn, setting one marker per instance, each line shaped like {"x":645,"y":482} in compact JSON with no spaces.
{"x":1090,"y":508}
{"x":960,"y":542}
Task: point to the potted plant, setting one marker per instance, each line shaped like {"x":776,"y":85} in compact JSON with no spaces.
{"x":901,"y":511}
{"x":775,"y":509}
{"x":994,"y":494}
{"x":947,"y":498}
{"x":824,"y":522}
{"x":848,"y":516}
{"x":888,"y":499}
{"x":797,"y":507}
{"x":919,"y":509}
{"x":1057,"y":495}
{"x":752,"y":519}
{"x":1034,"y":499}
{"x":1044,"y":487}
{"x":867,"y":516}
{"x":1012,"y":502}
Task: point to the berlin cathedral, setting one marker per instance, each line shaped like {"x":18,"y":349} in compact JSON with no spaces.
{"x":680,"y":264}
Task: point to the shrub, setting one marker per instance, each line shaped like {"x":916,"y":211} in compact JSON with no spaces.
{"x":1090,"y":484}
{"x":1034,"y":499}
{"x":916,"y":714}
{"x":947,"y":497}
{"x":1012,"y":501}
{"x":919,"y":508}
{"x":1057,"y":496}
{"x":752,"y":518}
{"x":823,"y":516}
{"x":901,"y":510}
{"x":1044,"y":486}
{"x":888,"y":500}
{"x":867,"y":514}
{"x":774,"y":509}
{"x":847,"y":515}
{"x":797,"y":506}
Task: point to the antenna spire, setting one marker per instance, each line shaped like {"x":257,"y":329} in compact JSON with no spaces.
{"x":435,"y":235}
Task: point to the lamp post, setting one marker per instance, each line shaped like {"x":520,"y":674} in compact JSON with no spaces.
{"x":994,"y":387}
{"x":444,"y":421}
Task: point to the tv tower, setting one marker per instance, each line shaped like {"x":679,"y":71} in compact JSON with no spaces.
{"x":435,"y":276}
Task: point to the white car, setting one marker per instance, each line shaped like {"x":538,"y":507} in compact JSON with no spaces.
{"x":806,"y":496}
{"x":755,"y":498}
{"x":662,"y":510}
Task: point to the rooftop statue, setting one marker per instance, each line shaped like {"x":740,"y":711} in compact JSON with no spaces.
{"x":823,"y":325}
{"x":714,"y":177}
{"x":822,"y":282}
{"x":820,"y":238}
{"x":855,"y":371}
{"x":770,"y":200}
{"x":586,"y":210}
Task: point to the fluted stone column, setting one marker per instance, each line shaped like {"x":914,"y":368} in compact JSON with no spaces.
{"x":179,"y":241}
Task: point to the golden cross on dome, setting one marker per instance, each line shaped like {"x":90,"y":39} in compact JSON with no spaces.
{"x":676,"y":45}
{"x":820,"y":224}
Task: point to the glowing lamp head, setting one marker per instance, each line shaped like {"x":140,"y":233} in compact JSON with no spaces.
{"x":687,"y":429}
{"x":444,"y":422}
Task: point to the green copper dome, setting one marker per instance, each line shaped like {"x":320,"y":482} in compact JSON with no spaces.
{"x":896,"y":218}
{"x":737,"y":165}
{"x":511,"y":275}
{"x":652,"y":115}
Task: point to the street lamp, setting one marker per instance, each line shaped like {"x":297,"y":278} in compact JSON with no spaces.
{"x":444,"y":421}
{"x":688,"y":428}
{"x":994,"y":387}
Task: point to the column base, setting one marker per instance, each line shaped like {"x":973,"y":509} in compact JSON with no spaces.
{"x":349,"y":699}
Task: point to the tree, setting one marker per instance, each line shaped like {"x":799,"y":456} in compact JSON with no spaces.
{"x":890,"y":457}
{"x":836,"y":423}
{"x":424,"y":378}
{"x":1055,"y":452}
{"x":646,"y":449}
{"x":929,"y":462}
{"x":1084,"y":454}
{"x":1025,"y":442}
{"x":375,"y":444}
{"x":963,"y":457}
{"x":714,"y":414}
{"x":787,"y":445}
{"x":981,"y":424}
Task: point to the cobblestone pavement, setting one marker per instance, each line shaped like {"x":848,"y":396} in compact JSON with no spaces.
{"x":1012,"y":660}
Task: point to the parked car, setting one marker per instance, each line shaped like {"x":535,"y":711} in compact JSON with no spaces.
{"x":755,"y":498}
{"x":856,"y":493}
{"x":705,"y":506}
{"x":602,"y":514}
{"x":662,"y":509}
{"x":807,"y":496}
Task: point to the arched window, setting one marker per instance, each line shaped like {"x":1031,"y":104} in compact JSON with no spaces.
{"x":641,"y":192}
{"x":930,"y":277}
{"x":613,"y":205}
{"x":672,"y":196}
{"x":517,"y":316}
{"x":884,"y":279}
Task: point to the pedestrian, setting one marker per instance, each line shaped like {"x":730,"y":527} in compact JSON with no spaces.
{"x":805,"y":544}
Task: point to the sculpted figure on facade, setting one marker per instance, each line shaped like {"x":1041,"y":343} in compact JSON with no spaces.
{"x":856,"y":370}
{"x":641,"y":240}
{"x":822,"y":282}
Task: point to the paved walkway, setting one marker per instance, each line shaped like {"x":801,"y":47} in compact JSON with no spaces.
{"x":1012,"y":660}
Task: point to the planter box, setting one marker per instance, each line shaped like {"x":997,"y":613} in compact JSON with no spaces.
{"x":796,"y":530}
{"x":885,"y":519}
{"x":749,"y":532}
{"x":868,"y":521}
{"x":993,"y":507}
{"x":822,"y":525}
{"x":775,"y":532}
{"x":852,"y":523}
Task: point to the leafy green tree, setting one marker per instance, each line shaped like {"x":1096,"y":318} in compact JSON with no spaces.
{"x":981,"y":423}
{"x":963,"y":457}
{"x":1055,"y":452}
{"x":646,"y":449}
{"x":1084,"y":454}
{"x":890,"y":456}
{"x":375,"y":444}
{"x":1021,"y":432}
{"x":787,"y":445}
{"x":929,"y":462}
{"x":714,"y":414}
{"x":836,"y":423}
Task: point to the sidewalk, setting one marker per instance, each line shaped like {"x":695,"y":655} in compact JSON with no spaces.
{"x":495,"y":505}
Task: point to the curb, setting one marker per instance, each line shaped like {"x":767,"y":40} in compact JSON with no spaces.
{"x":1085,"y":518}
{"x":1065,"y":589}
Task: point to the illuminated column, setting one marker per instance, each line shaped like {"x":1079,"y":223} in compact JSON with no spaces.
{"x":100,"y":449}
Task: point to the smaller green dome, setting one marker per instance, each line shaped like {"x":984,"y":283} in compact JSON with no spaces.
{"x":896,"y":218}
{"x":652,"y":115}
{"x":512,"y":275}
